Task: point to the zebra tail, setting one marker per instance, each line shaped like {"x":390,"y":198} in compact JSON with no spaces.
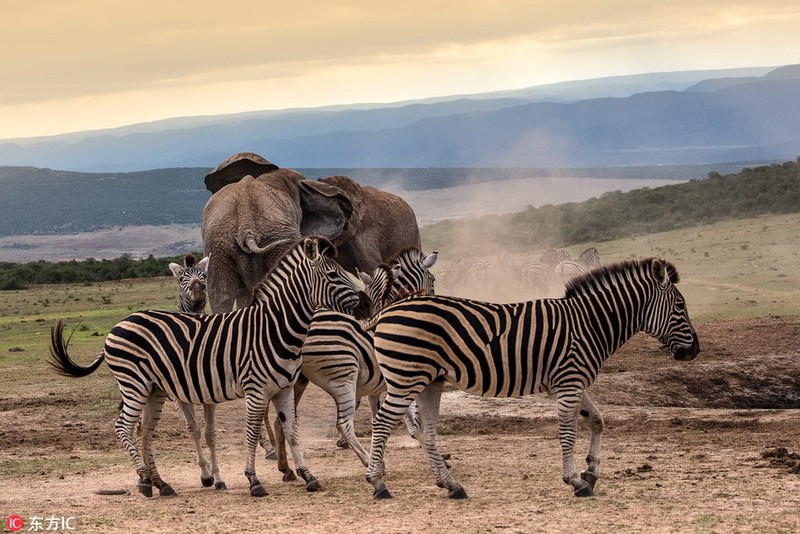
{"x":60,"y":360}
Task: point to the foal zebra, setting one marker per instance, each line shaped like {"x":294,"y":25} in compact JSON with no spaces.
{"x":191,"y":278}
{"x":338,"y":355}
{"x":207,"y":359}
{"x":508,"y":350}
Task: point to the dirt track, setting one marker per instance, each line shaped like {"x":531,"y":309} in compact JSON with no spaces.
{"x":705,"y":446}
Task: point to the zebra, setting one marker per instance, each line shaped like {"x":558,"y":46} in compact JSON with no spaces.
{"x":253,"y":353}
{"x":509,"y":350}
{"x":191,"y":277}
{"x":566,"y":270}
{"x":338,"y":355}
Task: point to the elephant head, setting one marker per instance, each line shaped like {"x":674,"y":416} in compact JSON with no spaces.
{"x":258,"y":211}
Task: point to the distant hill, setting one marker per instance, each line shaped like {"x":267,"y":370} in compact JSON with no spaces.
{"x":650,"y":119}
{"x":45,"y":201}
{"x":766,"y":189}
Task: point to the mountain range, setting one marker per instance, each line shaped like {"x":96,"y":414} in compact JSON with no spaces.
{"x":682,"y":118}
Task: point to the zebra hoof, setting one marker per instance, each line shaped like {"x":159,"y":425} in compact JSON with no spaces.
{"x":590,"y":478}
{"x":207,"y":482}
{"x":258,"y":491}
{"x":220,"y":485}
{"x":271,"y":455}
{"x":289,"y":476}
{"x":585,"y":491}
{"x":458,"y":493}
{"x":167,"y":491}
{"x":382,"y":494}
{"x":342,"y":444}
{"x":145,"y":487}
{"x":313,"y":485}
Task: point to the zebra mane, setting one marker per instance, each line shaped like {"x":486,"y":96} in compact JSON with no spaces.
{"x":326,"y":248}
{"x":603,"y":276}
{"x":189,"y":260}
{"x":402,"y":252}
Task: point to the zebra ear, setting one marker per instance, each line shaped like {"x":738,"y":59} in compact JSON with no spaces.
{"x":203,"y":264}
{"x":430,"y":259}
{"x":311,"y":248}
{"x":365,"y":277}
{"x":659,"y":271}
{"x":395,"y":271}
{"x":176,"y":269}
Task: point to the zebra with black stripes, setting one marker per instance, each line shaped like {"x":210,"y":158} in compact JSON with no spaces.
{"x":191,"y":277}
{"x":338,"y":355}
{"x":192,"y":296}
{"x":253,"y":353}
{"x":555,"y":346}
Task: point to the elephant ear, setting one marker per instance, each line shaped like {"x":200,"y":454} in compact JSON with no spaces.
{"x":237,"y":167}
{"x":326,"y":209}
{"x":356,"y":195}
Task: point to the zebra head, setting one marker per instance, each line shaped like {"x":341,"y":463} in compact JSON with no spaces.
{"x":406,"y":273}
{"x":191,"y":278}
{"x":331,"y":286}
{"x":414,"y":275}
{"x":667,"y":318}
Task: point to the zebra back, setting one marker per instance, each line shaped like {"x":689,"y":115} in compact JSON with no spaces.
{"x":212,"y":358}
{"x":518,"y":349}
{"x":191,"y":277}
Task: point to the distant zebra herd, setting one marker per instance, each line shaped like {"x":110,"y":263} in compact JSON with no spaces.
{"x":300,"y":330}
{"x":542,"y":278}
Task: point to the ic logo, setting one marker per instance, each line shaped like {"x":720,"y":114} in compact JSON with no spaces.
{"x":14,"y":523}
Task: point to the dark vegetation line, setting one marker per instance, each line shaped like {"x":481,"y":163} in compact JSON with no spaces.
{"x":769,"y":189}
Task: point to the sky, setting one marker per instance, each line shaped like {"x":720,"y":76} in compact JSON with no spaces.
{"x":75,"y":65}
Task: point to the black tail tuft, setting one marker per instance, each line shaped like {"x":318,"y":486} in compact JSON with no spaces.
{"x":59,"y":358}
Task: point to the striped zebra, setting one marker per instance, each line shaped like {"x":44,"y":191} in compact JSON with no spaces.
{"x":508,"y":350}
{"x":566,"y":270}
{"x":191,"y":277}
{"x":192,"y":294}
{"x":253,"y":353}
{"x":338,"y":355}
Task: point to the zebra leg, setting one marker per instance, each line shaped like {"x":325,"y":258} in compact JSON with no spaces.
{"x":428,"y":403}
{"x":211,"y":441}
{"x":596,"y":424}
{"x":387,"y":419}
{"x":267,"y":439}
{"x":124,"y":428}
{"x":280,"y":450}
{"x":255,"y":410}
{"x":284,"y":405}
{"x":150,"y":418}
{"x":412,"y":421}
{"x":568,"y":404}
{"x":187,"y":410}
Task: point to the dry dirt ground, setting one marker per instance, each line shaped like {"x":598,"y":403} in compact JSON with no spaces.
{"x":705,"y":446}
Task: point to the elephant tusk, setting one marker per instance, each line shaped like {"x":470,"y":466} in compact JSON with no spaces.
{"x":253,"y":247}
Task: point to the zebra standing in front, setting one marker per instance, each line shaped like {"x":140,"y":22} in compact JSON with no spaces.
{"x":338,"y":355}
{"x":508,"y":350}
{"x":207,"y":359}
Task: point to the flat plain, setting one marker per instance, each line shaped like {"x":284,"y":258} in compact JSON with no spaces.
{"x":704,"y":446}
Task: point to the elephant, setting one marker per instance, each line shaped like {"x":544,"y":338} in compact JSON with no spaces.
{"x":257,"y":211}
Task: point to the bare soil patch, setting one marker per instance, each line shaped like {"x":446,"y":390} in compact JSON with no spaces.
{"x":705,"y":446}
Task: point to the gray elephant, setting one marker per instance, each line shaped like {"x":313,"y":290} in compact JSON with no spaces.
{"x":257,"y":211}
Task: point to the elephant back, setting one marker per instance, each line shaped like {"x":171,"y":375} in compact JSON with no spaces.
{"x":237,"y":167}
